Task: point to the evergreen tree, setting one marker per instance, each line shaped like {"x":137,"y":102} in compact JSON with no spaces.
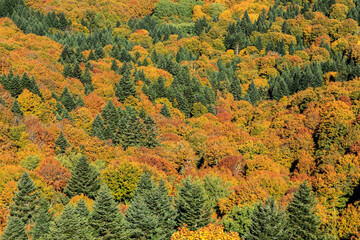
{"x":42,"y":221}
{"x":105,"y":219}
{"x":111,"y":119}
{"x":70,"y":225}
{"x":268,"y":222}
{"x":16,"y":109}
{"x":84,"y":180}
{"x":68,"y":100}
{"x":125,"y":87}
{"x":235,"y":88}
{"x":280,"y":48}
{"x":62,"y":143}
{"x":303,"y":221}
{"x":253,"y":94}
{"x":98,"y":128}
{"x":114,"y":65}
{"x":80,"y":101}
{"x":86,"y":77}
{"x":150,"y":214}
{"x":15,"y":230}
{"x":292,"y":48}
{"x":151,"y":132}
{"x":165,"y":111}
{"x":270,"y":47}
{"x":258,"y":43}
{"x":192,"y":207}
{"x":67,"y":72}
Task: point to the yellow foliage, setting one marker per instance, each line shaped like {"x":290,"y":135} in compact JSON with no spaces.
{"x":210,"y":232}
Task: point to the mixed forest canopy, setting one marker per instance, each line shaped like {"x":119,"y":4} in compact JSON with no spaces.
{"x":180,"y":119}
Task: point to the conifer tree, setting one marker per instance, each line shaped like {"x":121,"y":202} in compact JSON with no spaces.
{"x":191,"y":205}
{"x":68,"y":100}
{"x":62,"y":143}
{"x":25,"y":199}
{"x":150,"y":214}
{"x":114,"y":65}
{"x":80,"y":101}
{"x":165,"y":111}
{"x":70,"y":225}
{"x":67,"y":72}
{"x":151,"y":132}
{"x":16,"y":109}
{"x":303,"y":221}
{"x":42,"y":221}
{"x":84,"y":180}
{"x":86,"y":77}
{"x":125,"y":87}
{"x":270,"y":46}
{"x":280,"y":48}
{"x":98,"y":128}
{"x":292,"y":48}
{"x":258,"y":43}
{"x":15,"y":230}
{"x":106,"y":219}
{"x":268,"y":222}
{"x":235,"y":88}
{"x":253,"y":94}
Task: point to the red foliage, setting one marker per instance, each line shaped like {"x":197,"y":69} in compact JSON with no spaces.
{"x":54,"y":173}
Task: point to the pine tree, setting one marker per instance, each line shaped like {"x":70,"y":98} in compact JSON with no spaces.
{"x":105,"y":219}
{"x":98,"y":128}
{"x":80,"y":101}
{"x":303,"y":221}
{"x":62,"y":143}
{"x":25,"y":199}
{"x":16,"y":109}
{"x":70,"y":225}
{"x":150,"y":214}
{"x":270,"y":47}
{"x":192,"y":207}
{"x":268,"y":222}
{"x":292,"y":48}
{"x":125,"y":87}
{"x":86,"y":77}
{"x":67,"y":72}
{"x":114,"y":65}
{"x":151,"y":132}
{"x":84,"y":180}
{"x":15,"y":230}
{"x":258,"y":43}
{"x":42,"y":221}
{"x":235,"y":88}
{"x":68,"y":100}
{"x":165,"y":111}
{"x":253,"y":94}
{"x":280,"y":48}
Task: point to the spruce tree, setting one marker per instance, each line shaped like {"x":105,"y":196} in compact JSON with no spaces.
{"x":110,"y":115}
{"x":114,"y":65}
{"x":67,"y":72}
{"x":165,"y":111}
{"x":106,"y":219}
{"x":25,"y":199}
{"x":151,"y":132}
{"x":62,"y":143}
{"x":15,"y":230}
{"x":303,"y":221}
{"x":86,"y":77}
{"x":191,"y":205}
{"x":42,"y":221}
{"x":235,"y":88}
{"x":268,"y":222}
{"x":270,"y":47}
{"x":292,"y":48}
{"x":16,"y":109}
{"x":125,"y":87}
{"x":253,"y":94}
{"x":258,"y":43}
{"x":68,"y":100}
{"x":98,"y":128}
{"x":150,"y":214}
{"x":70,"y":225}
{"x":80,"y":101}
{"x":84,"y":180}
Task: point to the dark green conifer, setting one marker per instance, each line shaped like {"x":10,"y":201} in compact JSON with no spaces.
{"x":235,"y":88}
{"x":62,"y":143}
{"x":151,"y":132}
{"x":15,"y":230}
{"x":80,"y":101}
{"x":292,"y":48}
{"x":165,"y":111}
{"x":42,"y":221}
{"x":111,"y":119}
{"x":131,"y":130}
{"x":67,"y":72}
{"x":84,"y":180}
{"x":270,"y":47}
{"x":68,"y":100}
{"x":268,"y":222}
{"x":106,"y":219}
{"x":258,"y":43}
{"x":192,"y":207}
{"x":125,"y":87}
{"x":253,"y":94}
{"x":303,"y":221}
{"x":25,"y":199}
{"x":16,"y":109}
{"x":98,"y":129}
{"x":280,"y":47}
{"x":114,"y":65}
{"x":86,"y":77}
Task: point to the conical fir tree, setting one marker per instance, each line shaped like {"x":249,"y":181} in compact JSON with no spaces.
{"x":151,"y":132}
{"x":268,"y":222}
{"x":303,"y":221}
{"x":25,"y":199}
{"x":165,"y":111}
{"x":125,"y":87}
{"x":253,"y":94}
{"x":106,"y":219}
{"x":42,"y":221}
{"x":61,"y":143}
{"x":15,"y":230}
{"x":16,"y":109}
{"x":192,"y":207}
{"x":68,"y":100}
{"x":98,"y":128}
{"x":84,"y":180}
{"x":235,"y":88}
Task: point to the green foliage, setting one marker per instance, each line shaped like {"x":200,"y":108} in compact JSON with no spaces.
{"x":41,"y":221}
{"x":165,"y":111}
{"x":252,"y":94}
{"x":125,"y":87}
{"x":106,"y":219}
{"x":268,"y":221}
{"x":84,"y":180}
{"x":16,"y":109}
{"x":62,"y":143}
{"x":68,"y":100}
{"x":31,"y":162}
{"x":15,"y":230}
{"x":192,"y":207}
{"x":238,"y":220}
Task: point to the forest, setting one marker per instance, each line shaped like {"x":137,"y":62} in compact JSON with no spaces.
{"x":180,"y":119}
